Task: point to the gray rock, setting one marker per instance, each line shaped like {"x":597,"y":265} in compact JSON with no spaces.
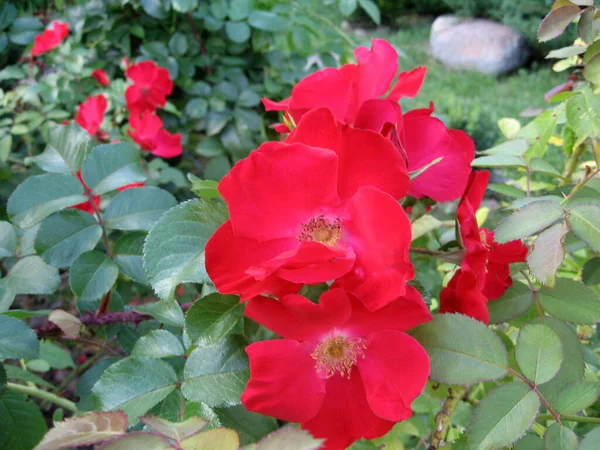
{"x":477,"y":44}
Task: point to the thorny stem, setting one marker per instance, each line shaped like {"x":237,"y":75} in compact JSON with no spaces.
{"x":534,"y":292}
{"x":43,"y":395}
{"x":572,"y":164}
{"x":570,"y":418}
{"x":587,"y":177}
{"x":442,"y":418}
{"x":534,"y":388}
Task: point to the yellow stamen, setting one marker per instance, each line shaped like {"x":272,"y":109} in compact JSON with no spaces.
{"x":321,"y":230}
{"x":338,"y":354}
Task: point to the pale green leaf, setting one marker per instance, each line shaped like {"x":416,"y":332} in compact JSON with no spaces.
{"x":538,"y":132}
{"x":31,"y":275}
{"x":169,"y":312}
{"x":138,"y":440}
{"x":528,"y":220}
{"x":424,"y":225}
{"x":215,"y":439}
{"x":571,"y":301}
{"x":499,"y":161}
{"x":515,"y":147}
{"x":539,"y":353}
{"x":548,"y":253}
{"x":290,"y":438}
{"x":583,"y":114}
{"x":584,"y":220}
{"x":575,"y":397}
{"x":138,"y":209}
{"x":17,"y":340}
{"x":175,"y":430}
{"x":128,"y":255}
{"x":590,"y":440}
{"x":68,"y":146}
{"x":158,"y":344}
{"x":515,"y":301}
{"x":8,"y":239}
{"x":559,"y":437}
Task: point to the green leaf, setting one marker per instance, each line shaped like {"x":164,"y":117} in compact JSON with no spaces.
{"x":538,"y":132}
{"x":138,"y":209}
{"x":56,"y":357}
{"x":575,"y":397}
{"x":65,"y":235}
{"x":528,"y":220}
{"x":508,"y":190}
{"x":584,"y":220}
{"x":39,"y":196}
{"x":529,"y":442}
{"x":571,"y":370}
{"x":371,"y":9}
{"x":5,"y":146}
{"x":571,"y":301}
{"x":8,"y":240}
{"x":92,"y":276}
{"x":169,"y":312}
{"x":347,"y":7}
{"x":22,"y":422}
{"x":139,"y":440}
{"x":583,"y":114}
{"x":134,"y":385}
{"x":17,"y":340}
{"x":541,"y":165}
{"x":238,"y":32}
{"x":8,"y":14}
{"x":67,"y":149}
{"x":462,"y":350}
{"x":239,"y":9}
{"x":204,"y":188}
{"x":539,"y":353}
{"x":290,"y":438}
{"x":158,"y":344}
{"x":558,"y":437}
{"x":502,"y":416}
{"x":266,"y":21}
{"x":217,"y":439}
{"x":514,"y":147}
{"x":548,"y":253}
{"x":591,"y":272}
{"x":424,"y":225}
{"x":3,"y":379}
{"x":248,"y":98}
{"x":556,"y":21}
{"x":128,"y":255}
{"x":174,"y":250}
{"x":89,"y":429}
{"x":196,"y":108}
{"x":216,"y":376}
{"x":565,"y":52}
{"x":111,"y":166}
{"x":212,"y":318}
{"x":16,"y":373}
{"x":156,"y":8}
{"x":499,"y":161}
{"x":515,"y":301}
{"x":175,"y":431}
{"x":590,"y":440}
{"x":184,"y":6}
{"x":250,"y":426}
{"x":31,"y":275}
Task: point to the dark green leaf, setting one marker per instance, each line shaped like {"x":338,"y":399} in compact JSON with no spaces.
{"x":539,"y":353}
{"x":111,"y":166}
{"x":158,"y":344}
{"x":529,"y":442}
{"x":39,"y":196}
{"x":571,"y":301}
{"x":31,"y":275}
{"x":156,"y":8}
{"x":135,"y":385}
{"x":168,"y":312}
{"x":64,"y":236}
{"x":266,"y":21}
{"x":371,"y":9}
{"x":184,"y":6}
{"x":92,"y":276}
{"x":248,"y":98}
{"x":347,"y":7}
{"x":138,"y":209}
{"x":559,"y":437}
{"x":174,"y":250}
{"x":17,"y":340}
{"x":8,"y":239}
{"x":238,"y":32}
{"x":8,"y":14}
{"x":462,"y":350}
{"x":528,"y":220}
{"x":128,"y":255}
{"x":212,"y":318}
{"x":590,"y":440}
{"x":216,"y":376}
{"x":515,"y":301}
{"x":575,"y":397}
{"x":502,"y":416}
{"x":585,"y":27}
{"x":239,"y":9}
{"x":584,"y":220}
{"x":16,"y":373}
{"x":3,"y":379}
{"x":250,"y":426}
{"x":56,"y":357}
{"x":591,"y":272}
{"x":196,"y":108}
{"x":22,"y":422}
{"x":67,"y":149}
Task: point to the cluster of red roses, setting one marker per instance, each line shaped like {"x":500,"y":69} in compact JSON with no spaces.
{"x":323,"y":206}
{"x":151,"y":85}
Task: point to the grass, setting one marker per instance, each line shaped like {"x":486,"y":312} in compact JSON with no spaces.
{"x":469,"y":100}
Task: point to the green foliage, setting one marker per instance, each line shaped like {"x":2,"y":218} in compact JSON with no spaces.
{"x":18,"y":414}
{"x":538,"y":353}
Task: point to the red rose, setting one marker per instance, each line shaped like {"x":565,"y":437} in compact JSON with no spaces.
{"x":485,"y":271}
{"x":341,"y":371}
{"x":149,"y":133}
{"x":151,"y":85}
{"x":91,"y":113}
{"x":86,"y":206}
{"x":101,"y":77}
{"x":312,"y":209}
{"x":50,"y":38}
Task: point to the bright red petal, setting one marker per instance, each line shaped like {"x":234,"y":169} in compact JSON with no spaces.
{"x":401,"y":314}
{"x":375,"y":114}
{"x":229,"y":258}
{"x":346,"y":416}
{"x":394,"y":372}
{"x":144,"y":129}
{"x":167,"y":145}
{"x":283,"y":381}
{"x":270,"y":105}
{"x":427,"y":139}
{"x":408,"y":84}
{"x":296,"y":317}
{"x":101,"y":77}
{"x":278,"y":187}
{"x":380,"y":233}
{"x":463,"y":295}
{"x":50,"y":39}
{"x":91,"y":113}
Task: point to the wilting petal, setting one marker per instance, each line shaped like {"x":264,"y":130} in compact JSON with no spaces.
{"x":229,"y":257}
{"x":296,"y":317}
{"x":278,"y":187}
{"x":380,"y":233}
{"x":401,"y":314}
{"x":346,"y":416}
{"x":394,"y":372}
{"x":283,"y":381}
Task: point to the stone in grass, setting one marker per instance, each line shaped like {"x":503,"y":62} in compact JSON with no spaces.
{"x":477,"y":44}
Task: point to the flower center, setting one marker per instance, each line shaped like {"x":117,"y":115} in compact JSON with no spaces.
{"x":338,"y":354}
{"x":145,"y":91}
{"x":321,"y":229}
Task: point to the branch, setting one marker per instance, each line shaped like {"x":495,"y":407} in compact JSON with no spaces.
{"x":41,"y":394}
{"x":534,"y":388}
{"x":442,"y":418}
{"x":570,"y":418}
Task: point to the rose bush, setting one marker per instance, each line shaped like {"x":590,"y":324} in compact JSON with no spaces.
{"x":327,"y":279}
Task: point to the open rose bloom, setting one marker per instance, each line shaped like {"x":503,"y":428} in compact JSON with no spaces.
{"x":50,"y":38}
